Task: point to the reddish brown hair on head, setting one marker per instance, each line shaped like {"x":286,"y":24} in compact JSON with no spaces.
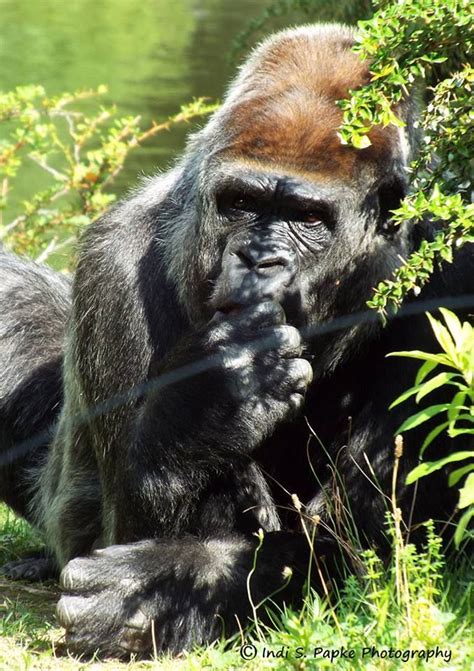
{"x":283,"y":110}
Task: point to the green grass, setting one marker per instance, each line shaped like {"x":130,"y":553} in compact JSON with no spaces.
{"x":413,"y":606}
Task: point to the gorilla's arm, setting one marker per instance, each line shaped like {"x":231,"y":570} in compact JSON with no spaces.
{"x":179,"y":455}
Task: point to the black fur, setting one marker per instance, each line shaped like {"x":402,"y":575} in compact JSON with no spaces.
{"x":215,"y":277}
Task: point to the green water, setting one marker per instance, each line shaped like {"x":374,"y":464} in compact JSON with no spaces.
{"x":154,"y":55}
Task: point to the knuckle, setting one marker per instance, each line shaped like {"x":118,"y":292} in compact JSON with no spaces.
{"x":72,"y":575}
{"x":68,"y":609}
{"x":268,"y":310}
{"x":296,"y":401}
{"x":218,"y":334}
{"x":302,"y":370}
{"x":235,"y":358}
{"x":288,"y":336}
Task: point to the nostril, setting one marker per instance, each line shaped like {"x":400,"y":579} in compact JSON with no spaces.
{"x":270,"y":264}
{"x":266,"y":264}
{"x":246,"y":260}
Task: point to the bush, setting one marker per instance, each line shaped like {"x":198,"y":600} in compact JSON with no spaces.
{"x":457,"y":343}
{"x":410,"y":42}
{"x":80,"y":154}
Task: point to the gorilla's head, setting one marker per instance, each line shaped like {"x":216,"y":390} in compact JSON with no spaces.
{"x":282,"y":209}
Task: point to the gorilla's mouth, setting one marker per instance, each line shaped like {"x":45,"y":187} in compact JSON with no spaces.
{"x":230,"y":308}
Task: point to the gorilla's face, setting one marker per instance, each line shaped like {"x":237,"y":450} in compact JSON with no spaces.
{"x":280,"y":208}
{"x":299,"y":239}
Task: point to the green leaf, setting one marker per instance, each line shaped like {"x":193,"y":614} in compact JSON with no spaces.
{"x":424,"y":370}
{"x":428,"y":467}
{"x":403,"y":397}
{"x":432,"y":435}
{"x":444,"y":338}
{"x":424,"y":356}
{"x":454,"y":325}
{"x":453,"y":433}
{"x":435,"y":382}
{"x":459,"y":473}
{"x":462,"y":526}
{"x":456,"y":405}
{"x":361,"y":141}
{"x":422,"y":416}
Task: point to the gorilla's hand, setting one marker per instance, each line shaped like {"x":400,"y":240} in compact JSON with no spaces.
{"x":122,"y":600}
{"x":258,"y":376}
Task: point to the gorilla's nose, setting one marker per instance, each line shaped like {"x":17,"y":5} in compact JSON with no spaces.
{"x":265,"y":262}
{"x":256,"y":267}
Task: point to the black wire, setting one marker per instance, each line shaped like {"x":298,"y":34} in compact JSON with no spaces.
{"x":214,"y":361}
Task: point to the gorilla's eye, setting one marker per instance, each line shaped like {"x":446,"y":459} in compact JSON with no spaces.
{"x":243,"y":202}
{"x":239,"y":203}
{"x":311,"y":217}
{"x":390,"y":195}
{"x":235,"y":204}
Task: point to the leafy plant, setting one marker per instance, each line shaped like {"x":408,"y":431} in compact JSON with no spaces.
{"x":80,"y":154}
{"x":457,"y":342}
{"x":409,"y":42}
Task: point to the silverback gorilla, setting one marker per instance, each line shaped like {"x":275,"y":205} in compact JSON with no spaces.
{"x":213,"y":278}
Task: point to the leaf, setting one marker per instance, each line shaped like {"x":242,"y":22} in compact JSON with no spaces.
{"x":361,"y":141}
{"x":428,"y":467}
{"x":454,"y":325}
{"x":444,"y":338}
{"x":462,"y":526}
{"x":456,"y":406}
{"x":435,"y":382}
{"x":456,"y":475}
{"x":424,"y":370}
{"x":453,"y":433}
{"x":424,"y":356}
{"x":403,"y":397}
{"x":422,"y":416}
{"x":466,"y":493}
{"x":432,"y":435}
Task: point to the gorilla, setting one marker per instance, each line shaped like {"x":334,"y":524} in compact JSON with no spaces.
{"x":181,"y":414}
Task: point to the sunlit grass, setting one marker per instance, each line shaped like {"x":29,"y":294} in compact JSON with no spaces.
{"x":415,"y":605}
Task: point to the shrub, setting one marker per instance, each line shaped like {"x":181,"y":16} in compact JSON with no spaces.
{"x":80,"y":155}
{"x":457,"y":362}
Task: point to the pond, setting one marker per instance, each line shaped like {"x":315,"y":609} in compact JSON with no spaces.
{"x":154,"y":56}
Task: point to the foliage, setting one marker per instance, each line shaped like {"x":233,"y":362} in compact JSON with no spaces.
{"x":407,"y":42}
{"x":457,"y":343}
{"x":416,"y":603}
{"x":370,"y":616}
{"x":81,"y":154}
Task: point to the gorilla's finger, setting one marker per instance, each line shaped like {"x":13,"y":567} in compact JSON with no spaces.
{"x":71,"y":610}
{"x":245,"y":324}
{"x":301,"y":372}
{"x":83,"y":574}
{"x":260,"y":315}
{"x":285,"y":341}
